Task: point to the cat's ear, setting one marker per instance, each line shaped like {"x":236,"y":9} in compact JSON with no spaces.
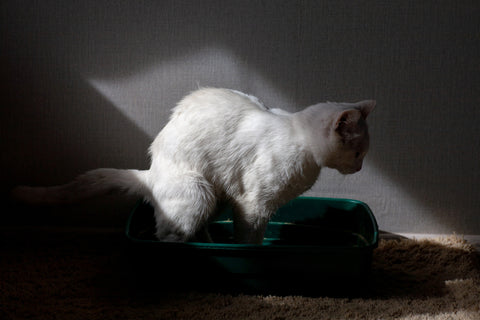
{"x":365,"y":107}
{"x":347,"y":122}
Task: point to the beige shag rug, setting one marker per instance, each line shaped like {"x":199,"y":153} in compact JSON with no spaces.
{"x":73,"y":275}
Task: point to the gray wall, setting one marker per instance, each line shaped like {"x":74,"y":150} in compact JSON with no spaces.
{"x":89,"y":84}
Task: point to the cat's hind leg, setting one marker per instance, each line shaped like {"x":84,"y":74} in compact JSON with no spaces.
{"x":183,"y":207}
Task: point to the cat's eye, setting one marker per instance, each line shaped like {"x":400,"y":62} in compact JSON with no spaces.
{"x":357,"y":154}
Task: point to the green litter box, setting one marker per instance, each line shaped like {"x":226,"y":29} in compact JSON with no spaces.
{"x":309,"y":238}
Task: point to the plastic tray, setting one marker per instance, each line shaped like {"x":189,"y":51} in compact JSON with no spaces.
{"x":308,"y":236}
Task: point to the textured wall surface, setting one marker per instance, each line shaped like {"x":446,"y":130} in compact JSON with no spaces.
{"x":88,"y":84}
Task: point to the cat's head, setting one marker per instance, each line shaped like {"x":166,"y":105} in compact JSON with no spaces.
{"x":347,"y":136}
{"x":336,"y":133}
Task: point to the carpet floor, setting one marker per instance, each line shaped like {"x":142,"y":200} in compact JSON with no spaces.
{"x":79,"y":275}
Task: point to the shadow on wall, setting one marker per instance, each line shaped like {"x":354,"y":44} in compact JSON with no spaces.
{"x":417,"y":59}
{"x":62,"y":129}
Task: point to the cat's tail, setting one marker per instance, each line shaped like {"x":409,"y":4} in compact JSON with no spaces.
{"x":90,"y":184}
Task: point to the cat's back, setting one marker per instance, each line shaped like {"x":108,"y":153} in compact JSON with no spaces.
{"x":213,"y":103}
{"x":209,"y":120}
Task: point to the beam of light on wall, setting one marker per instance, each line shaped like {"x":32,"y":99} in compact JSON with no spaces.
{"x":390,"y":201}
{"x":142,"y":97}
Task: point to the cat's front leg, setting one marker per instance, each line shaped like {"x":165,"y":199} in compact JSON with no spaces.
{"x":250,"y":223}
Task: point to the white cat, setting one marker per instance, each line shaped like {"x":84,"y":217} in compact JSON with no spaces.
{"x":223,"y":146}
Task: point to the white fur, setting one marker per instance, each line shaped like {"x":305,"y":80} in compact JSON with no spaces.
{"x":222,"y":146}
